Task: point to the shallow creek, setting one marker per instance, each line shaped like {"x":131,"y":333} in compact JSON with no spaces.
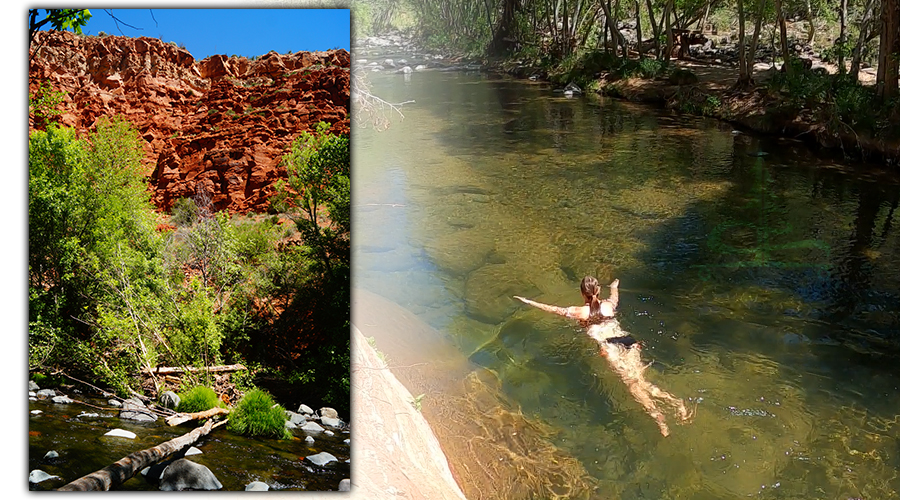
{"x":763,"y":281}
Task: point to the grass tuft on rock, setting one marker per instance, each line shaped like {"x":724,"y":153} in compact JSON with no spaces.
{"x":199,"y":398}
{"x":256,"y":414}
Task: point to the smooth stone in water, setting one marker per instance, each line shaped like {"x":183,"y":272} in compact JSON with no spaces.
{"x":114,"y":402}
{"x":192,"y":451}
{"x":344,"y":485}
{"x":36,"y":412}
{"x":305,"y":409}
{"x":46,"y":393}
{"x":329,"y":433}
{"x":331,"y":422}
{"x":309,"y":440}
{"x":51,"y":455}
{"x":182,"y":474}
{"x":322,"y":459}
{"x":37,"y":475}
{"x":312,"y":427}
{"x":121,"y":433}
{"x":61,"y":400}
{"x":328,"y":412}
{"x":89,"y":415}
{"x":32,"y":386}
{"x":257,"y":486}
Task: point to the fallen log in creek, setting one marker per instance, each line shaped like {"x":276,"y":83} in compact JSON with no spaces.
{"x":172,"y":370}
{"x":180,"y":418}
{"x":114,"y":475}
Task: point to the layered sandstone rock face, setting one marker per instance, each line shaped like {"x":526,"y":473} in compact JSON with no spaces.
{"x":220,"y":125}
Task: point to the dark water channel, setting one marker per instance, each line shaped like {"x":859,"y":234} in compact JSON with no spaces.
{"x":763,"y":280}
{"x":235,"y":460}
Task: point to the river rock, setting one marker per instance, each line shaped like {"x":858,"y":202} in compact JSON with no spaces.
{"x":344,"y":485}
{"x":193,"y":451}
{"x":346,"y":441}
{"x":332,"y":422}
{"x":328,"y":412}
{"x":50,"y":455}
{"x":88,"y":415}
{"x":296,"y":418}
{"x":62,"y":399}
{"x":257,"y":486}
{"x":289,"y":425}
{"x":37,"y":476}
{"x":114,"y":403}
{"x":322,"y":459}
{"x":169,"y":399}
{"x":306,"y":410}
{"x":134,"y":409}
{"x":121,"y":433}
{"x":309,"y":440}
{"x":182,"y":474}
{"x":36,"y":412}
{"x":32,"y":386}
{"x":312,"y":427}
{"x":328,"y":433}
{"x":46,"y":393}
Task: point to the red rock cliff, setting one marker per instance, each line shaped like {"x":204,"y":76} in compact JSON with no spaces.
{"x":219,"y":125}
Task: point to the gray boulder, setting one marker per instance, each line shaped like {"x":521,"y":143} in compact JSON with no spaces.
{"x":344,"y":485}
{"x":182,"y":474}
{"x":328,"y":412}
{"x":32,"y":386}
{"x":332,"y":422}
{"x":312,"y":427}
{"x":322,"y":459}
{"x":305,"y":410}
{"x":169,"y":399}
{"x":296,"y":418}
{"x":134,"y":409}
{"x":37,"y":476}
{"x":257,"y":486}
{"x":46,"y":393}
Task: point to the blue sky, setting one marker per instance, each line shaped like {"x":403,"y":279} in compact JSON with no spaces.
{"x":246,"y":32}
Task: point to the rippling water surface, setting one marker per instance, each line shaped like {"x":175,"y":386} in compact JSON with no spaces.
{"x":764,"y":282}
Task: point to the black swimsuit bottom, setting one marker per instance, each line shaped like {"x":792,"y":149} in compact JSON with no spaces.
{"x":624,"y":340}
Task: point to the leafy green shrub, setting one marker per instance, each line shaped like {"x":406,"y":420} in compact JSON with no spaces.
{"x":44,"y":104}
{"x":197,"y":399}
{"x":185,"y":212}
{"x":256,"y":414}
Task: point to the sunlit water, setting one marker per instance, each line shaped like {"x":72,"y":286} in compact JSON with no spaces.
{"x":762,"y":280}
{"x":235,"y":460}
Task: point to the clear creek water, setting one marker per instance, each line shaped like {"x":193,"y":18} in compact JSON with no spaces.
{"x":764,"y":282}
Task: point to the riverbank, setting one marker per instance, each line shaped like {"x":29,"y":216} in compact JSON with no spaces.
{"x":707,"y":89}
{"x":845,"y":126}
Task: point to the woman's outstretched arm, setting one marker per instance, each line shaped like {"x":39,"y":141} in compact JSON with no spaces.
{"x":576,"y":312}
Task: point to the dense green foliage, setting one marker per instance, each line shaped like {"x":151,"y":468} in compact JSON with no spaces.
{"x":111,"y":295}
{"x":197,"y":399}
{"x":59,"y":19}
{"x":256,"y":414}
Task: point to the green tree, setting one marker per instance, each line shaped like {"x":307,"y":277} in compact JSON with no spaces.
{"x":59,"y":19}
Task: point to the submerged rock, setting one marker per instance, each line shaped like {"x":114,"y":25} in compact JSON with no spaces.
{"x":312,"y":427}
{"x":182,"y":474}
{"x":63,"y":399}
{"x":46,"y":393}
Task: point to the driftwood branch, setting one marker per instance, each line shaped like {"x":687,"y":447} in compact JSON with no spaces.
{"x":180,"y":418}
{"x":126,"y":468}
{"x":170,"y":370}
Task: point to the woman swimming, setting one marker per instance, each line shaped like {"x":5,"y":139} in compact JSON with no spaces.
{"x":619,"y":348}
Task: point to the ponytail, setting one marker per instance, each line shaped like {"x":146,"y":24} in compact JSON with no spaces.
{"x":595,"y":307}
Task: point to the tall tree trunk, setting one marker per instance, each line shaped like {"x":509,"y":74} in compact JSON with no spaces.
{"x":842,"y":38}
{"x":864,"y":27}
{"x":640,"y":40}
{"x":500,"y":43}
{"x":670,"y":37}
{"x":654,"y":26}
{"x":757,"y":29}
{"x":617,"y":36}
{"x":782,"y":26}
{"x":743,"y":74}
{"x":811,"y":32}
{"x":889,"y":51}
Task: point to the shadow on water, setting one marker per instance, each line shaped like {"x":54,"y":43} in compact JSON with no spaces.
{"x":762,"y":279}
